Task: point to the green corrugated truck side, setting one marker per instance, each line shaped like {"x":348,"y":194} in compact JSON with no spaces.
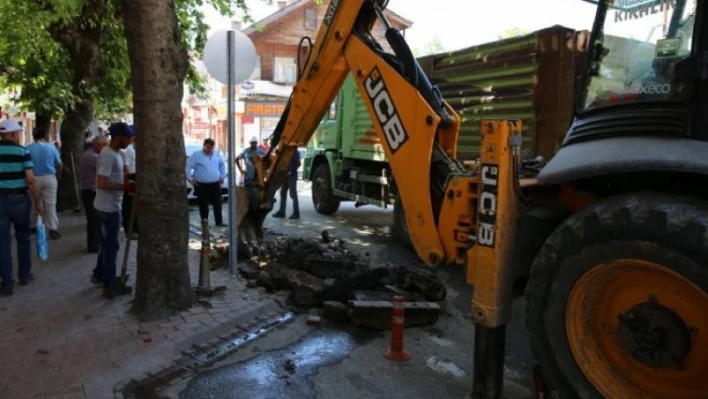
{"x":531,"y":78}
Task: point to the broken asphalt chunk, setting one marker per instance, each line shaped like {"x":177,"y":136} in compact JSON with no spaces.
{"x":378,"y":314}
{"x":249,"y":269}
{"x":334,"y":310}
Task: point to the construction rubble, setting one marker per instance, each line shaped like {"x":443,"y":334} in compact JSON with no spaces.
{"x":321,"y":273}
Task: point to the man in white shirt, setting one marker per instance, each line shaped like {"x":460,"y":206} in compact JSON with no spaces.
{"x":206,"y":172}
{"x":110,"y":185}
{"x":130,"y":157}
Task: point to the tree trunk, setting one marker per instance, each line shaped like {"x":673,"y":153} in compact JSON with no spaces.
{"x":81,"y":37}
{"x":76,"y":121}
{"x":158,"y":67}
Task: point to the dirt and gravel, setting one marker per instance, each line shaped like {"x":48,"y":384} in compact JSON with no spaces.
{"x":321,"y":269}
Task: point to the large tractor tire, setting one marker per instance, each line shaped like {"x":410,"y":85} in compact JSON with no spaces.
{"x":400,"y":228}
{"x":618,"y":300}
{"x":323,"y":198}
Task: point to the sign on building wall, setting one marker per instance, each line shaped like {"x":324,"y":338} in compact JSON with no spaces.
{"x":264,"y":109}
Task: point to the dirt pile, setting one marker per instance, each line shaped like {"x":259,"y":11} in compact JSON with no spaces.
{"x":322,"y":270}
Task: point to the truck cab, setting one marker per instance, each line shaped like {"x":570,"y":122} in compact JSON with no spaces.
{"x":345,"y":160}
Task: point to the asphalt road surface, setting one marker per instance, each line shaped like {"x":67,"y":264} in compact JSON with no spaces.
{"x":350,"y":222}
{"x":341,"y":361}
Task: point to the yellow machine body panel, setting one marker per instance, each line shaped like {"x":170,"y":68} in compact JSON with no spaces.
{"x":402,"y":125}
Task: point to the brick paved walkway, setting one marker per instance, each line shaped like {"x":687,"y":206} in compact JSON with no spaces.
{"x":61,"y":339}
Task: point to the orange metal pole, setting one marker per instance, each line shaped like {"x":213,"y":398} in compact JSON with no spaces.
{"x":396,"y":351}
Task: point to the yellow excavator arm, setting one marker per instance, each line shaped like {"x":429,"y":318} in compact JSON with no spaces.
{"x":453,"y":215}
{"x":419,"y":130}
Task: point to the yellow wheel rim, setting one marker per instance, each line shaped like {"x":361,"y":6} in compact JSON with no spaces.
{"x":638,"y":329}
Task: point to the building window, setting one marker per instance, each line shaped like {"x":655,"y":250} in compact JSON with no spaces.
{"x":285,"y":70}
{"x":311,"y":19}
{"x":257,"y":71}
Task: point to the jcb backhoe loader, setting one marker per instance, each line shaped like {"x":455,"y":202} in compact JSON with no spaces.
{"x":612,"y":233}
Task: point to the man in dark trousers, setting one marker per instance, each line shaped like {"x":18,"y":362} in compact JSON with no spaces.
{"x":206,"y":172}
{"x":17,"y":183}
{"x":110,"y":185}
{"x":89,"y":163}
{"x":290,"y":184}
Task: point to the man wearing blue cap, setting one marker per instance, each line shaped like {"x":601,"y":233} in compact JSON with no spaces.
{"x":110,"y":185}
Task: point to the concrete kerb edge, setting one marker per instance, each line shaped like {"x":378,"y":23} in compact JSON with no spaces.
{"x":236,"y":323}
{"x":205,"y":349}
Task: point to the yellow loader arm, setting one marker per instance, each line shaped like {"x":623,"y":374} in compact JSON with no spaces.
{"x":419,"y":130}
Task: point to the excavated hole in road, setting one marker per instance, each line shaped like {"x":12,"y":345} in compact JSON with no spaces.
{"x":329,"y":280}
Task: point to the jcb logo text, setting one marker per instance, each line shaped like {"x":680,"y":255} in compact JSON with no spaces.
{"x":486,"y":232}
{"x":385,"y":111}
{"x":331,"y":12}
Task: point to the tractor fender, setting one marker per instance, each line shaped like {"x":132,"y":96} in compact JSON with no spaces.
{"x":625,"y":155}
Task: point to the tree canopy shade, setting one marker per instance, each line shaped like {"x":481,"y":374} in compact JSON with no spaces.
{"x":58,"y":52}
{"x":32,"y":61}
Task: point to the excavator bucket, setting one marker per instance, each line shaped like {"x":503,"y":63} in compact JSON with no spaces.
{"x":251,"y":210}
{"x":242,"y":205}
{"x":250,"y":217}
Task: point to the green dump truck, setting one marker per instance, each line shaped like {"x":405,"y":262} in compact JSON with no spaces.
{"x":530,"y":78}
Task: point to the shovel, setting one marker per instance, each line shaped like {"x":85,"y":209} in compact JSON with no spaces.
{"x":123,"y":281}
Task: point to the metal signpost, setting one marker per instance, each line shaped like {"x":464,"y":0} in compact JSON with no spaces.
{"x":231,"y":132}
{"x":230,"y":67}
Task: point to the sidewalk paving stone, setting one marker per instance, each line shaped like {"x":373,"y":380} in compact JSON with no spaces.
{"x":63,"y":339}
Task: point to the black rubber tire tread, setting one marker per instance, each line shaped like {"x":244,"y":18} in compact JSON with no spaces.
{"x":399,"y":230}
{"x":648,"y":224}
{"x":331,"y":204}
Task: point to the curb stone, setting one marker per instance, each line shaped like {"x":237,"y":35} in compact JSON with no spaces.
{"x":203,"y":355}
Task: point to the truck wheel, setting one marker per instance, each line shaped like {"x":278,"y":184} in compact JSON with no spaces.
{"x":618,"y":300}
{"x":323,"y":199}
{"x":400,"y":229}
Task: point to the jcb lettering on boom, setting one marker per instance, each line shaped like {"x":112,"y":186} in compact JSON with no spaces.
{"x":331,"y":12}
{"x":486,"y":232}
{"x":385,"y":111}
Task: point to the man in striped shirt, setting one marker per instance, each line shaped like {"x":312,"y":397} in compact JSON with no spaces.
{"x":16,"y":179}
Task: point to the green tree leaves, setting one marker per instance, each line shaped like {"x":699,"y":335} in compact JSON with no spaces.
{"x":43,"y":38}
